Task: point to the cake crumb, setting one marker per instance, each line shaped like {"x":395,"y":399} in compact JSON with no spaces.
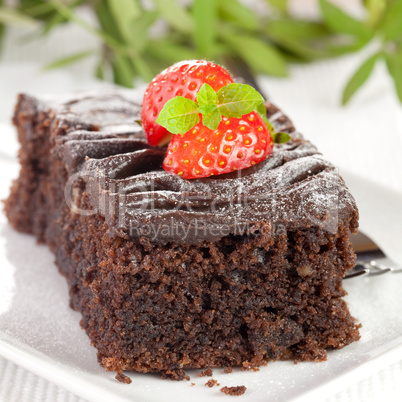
{"x":234,"y":391}
{"x":210,"y":383}
{"x":228,"y":370}
{"x":177,"y":374}
{"x":192,"y":384}
{"x":123,"y":378}
{"x":208,"y":372}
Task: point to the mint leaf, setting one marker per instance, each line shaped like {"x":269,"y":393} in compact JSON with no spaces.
{"x":236,"y":100}
{"x":392,"y":23}
{"x":375,"y":11}
{"x":124,"y":13}
{"x":261,"y":56}
{"x":68,"y":60}
{"x":262,"y":111}
{"x":207,"y":98}
{"x":206,"y":95}
{"x":122,"y":72}
{"x":280,"y":5}
{"x":212,"y":120}
{"x":175,"y":14}
{"x":280,"y":138}
{"x":205,"y":14}
{"x":236,"y":13}
{"x":339,"y":21}
{"x":179,"y":115}
{"x":394,"y":64}
{"x":207,"y":108}
{"x":12,"y":16}
{"x":359,"y":78}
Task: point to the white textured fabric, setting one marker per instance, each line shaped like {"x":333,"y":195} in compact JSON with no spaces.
{"x":19,"y":385}
{"x":365,"y":138}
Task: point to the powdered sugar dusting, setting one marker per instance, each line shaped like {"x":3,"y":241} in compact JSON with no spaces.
{"x":295,"y":187}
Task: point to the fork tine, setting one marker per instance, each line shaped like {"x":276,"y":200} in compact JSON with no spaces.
{"x":371,"y":268}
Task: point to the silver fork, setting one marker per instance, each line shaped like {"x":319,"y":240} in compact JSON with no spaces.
{"x":371,"y":261}
{"x":370,"y":268}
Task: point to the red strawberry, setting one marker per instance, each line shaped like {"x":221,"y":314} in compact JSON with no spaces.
{"x":235,"y":145}
{"x":182,"y":79}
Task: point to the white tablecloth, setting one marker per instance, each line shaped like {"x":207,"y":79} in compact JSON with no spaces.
{"x":365,"y":138}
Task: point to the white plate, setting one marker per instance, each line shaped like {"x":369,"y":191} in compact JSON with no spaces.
{"x":40,"y":332}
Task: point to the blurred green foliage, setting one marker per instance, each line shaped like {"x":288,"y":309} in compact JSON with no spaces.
{"x":219,"y":30}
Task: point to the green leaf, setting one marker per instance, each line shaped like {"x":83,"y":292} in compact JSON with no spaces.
{"x":205,"y":16}
{"x":341,"y":22}
{"x":71,"y":16}
{"x":281,"y":5}
{"x":107,"y":23}
{"x":394,"y":64}
{"x":359,"y":78}
{"x":140,"y":28}
{"x":169,"y":51}
{"x":177,"y":16}
{"x":54,"y":19}
{"x":41,"y":9}
{"x":296,"y":29}
{"x":206,"y":95}
{"x":236,"y":100}
{"x":392,"y":24}
{"x":236,"y":12}
{"x":122,"y":72}
{"x":375,"y":9}
{"x":339,"y":50}
{"x":280,"y":138}
{"x":262,"y":111}
{"x":179,"y":115}
{"x":125,"y":12}
{"x":51,"y":23}
{"x":142,"y":68}
{"x":212,"y":120}
{"x":260,"y":56}
{"x":207,"y":108}
{"x":11,"y":16}
{"x":2,"y":30}
{"x":65,"y":61}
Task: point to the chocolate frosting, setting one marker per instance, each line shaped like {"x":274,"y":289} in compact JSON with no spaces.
{"x":99,"y":141}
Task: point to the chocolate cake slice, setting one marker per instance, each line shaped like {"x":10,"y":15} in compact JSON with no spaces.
{"x":172,"y":274}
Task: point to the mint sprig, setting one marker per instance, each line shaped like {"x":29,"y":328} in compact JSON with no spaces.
{"x":180,"y":114}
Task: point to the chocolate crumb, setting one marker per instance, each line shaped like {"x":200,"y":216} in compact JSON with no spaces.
{"x":234,"y":391}
{"x":208,"y":372}
{"x":228,"y":370}
{"x":210,"y":383}
{"x":192,"y":384}
{"x":123,"y":378}
{"x":176,"y":374}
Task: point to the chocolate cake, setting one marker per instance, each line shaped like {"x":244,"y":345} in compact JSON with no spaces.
{"x":172,"y":274}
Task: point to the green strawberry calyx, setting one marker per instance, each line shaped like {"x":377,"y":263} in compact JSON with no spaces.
{"x":180,"y":114}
